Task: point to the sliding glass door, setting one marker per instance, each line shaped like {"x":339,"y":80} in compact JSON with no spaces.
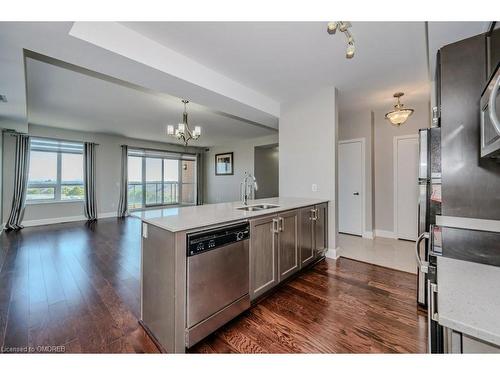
{"x":157,"y":179}
{"x":154,"y":189}
{"x":170,"y":181}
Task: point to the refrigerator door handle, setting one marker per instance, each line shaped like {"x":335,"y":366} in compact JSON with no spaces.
{"x":422,"y":264}
{"x":433,"y":314}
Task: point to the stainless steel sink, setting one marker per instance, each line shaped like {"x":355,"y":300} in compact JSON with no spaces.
{"x":258,"y":207}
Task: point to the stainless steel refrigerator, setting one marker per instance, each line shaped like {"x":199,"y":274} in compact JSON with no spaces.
{"x":429,"y":203}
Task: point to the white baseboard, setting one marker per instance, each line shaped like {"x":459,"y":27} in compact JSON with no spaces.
{"x":66,"y":219}
{"x":385,"y":234}
{"x":368,"y":235}
{"x":332,"y":253}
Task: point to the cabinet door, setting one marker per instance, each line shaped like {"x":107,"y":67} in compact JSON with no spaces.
{"x":306,"y":239}
{"x":288,"y":255}
{"x":263,"y":255}
{"x":321,"y":229}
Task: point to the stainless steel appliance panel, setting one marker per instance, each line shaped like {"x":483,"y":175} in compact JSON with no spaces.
{"x":216,"y":279}
{"x":423,"y":168}
{"x":490,"y":118}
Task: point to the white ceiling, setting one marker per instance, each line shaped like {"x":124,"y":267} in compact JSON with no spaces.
{"x":287,"y":59}
{"x":64,"y":98}
{"x":235,"y":68}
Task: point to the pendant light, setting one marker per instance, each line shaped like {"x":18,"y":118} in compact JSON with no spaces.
{"x":400,"y":113}
{"x":182,"y":131}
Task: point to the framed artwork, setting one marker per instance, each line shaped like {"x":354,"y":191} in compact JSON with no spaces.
{"x":224,"y":164}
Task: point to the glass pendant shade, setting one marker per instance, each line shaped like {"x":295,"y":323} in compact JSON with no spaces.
{"x":400,"y":114}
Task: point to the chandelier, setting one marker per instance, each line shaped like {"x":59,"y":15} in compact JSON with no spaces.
{"x":182,"y":132}
{"x":400,"y":113}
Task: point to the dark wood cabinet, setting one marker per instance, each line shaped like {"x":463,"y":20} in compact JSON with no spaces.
{"x":288,"y":242}
{"x":263,"y":255}
{"x":321,"y":229}
{"x":306,"y":242}
{"x":281,"y":244}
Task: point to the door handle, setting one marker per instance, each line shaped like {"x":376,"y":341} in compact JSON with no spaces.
{"x":355,"y":193}
{"x":492,"y":106}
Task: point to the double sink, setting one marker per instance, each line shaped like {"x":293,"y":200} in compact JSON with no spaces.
{"x":258,"y":207}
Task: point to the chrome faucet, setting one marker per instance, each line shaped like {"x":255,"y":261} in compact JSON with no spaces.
{"x":247,"y":189}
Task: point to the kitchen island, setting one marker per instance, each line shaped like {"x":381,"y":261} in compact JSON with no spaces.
{"x":203,"y":265}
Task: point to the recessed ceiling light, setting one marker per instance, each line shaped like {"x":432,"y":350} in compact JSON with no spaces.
{"x":3,"y":98}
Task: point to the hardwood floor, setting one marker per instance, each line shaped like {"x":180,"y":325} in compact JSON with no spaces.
{"x":75,"y":288}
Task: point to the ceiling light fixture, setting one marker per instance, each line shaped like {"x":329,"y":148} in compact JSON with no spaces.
{"x":343,"y":26}
{"x":400,"y":114}
{"x":182,"y":131}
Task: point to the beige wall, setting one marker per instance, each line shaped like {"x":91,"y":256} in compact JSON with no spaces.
{"x":353,"y":125}
{"x":266,"y":169}
{"x":307,"y":141}
{"x":384,"y":172}
{"x":379,"y":135}
{"x":108,"y":156}
{"x":227,"y":188}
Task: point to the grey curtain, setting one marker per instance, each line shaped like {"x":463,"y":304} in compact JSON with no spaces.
{"x":20,"y":182}
{"x":200,"y":183}
{"x":123,"y":203}
{"x":89,"y":180}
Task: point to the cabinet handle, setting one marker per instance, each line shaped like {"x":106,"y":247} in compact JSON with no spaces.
{"x":311,"y":216}
{"x":274,"y":227}
{"x":282,"y":224}
{"x":315,"y":214}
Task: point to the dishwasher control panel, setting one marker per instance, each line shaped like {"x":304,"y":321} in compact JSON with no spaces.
{"x":200,"y":242}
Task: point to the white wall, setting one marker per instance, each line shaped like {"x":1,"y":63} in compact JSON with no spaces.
{"x":227,"y":188}
{"x":358,"y":124}
{"x":108,"y":156}
{"x":307,"y":140}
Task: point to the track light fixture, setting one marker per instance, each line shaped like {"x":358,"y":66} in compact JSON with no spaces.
{"x":343,"y":26}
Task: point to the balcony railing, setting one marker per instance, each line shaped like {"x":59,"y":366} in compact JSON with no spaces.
{"x":156,"y":193}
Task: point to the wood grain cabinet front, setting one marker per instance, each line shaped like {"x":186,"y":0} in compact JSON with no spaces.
{"x":321,"y":229}
{"x":306,"y":239}
{"x":283,"y":243}
{"x":263,"y":255}
{"x":288,"y":243}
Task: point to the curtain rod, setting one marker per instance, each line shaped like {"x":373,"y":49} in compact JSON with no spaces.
{"x":14,"y":133}
{"x":159,"y":150}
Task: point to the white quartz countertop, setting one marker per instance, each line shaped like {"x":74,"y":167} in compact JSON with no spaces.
{"x":178,"y":219}
{"x":468,"y":298}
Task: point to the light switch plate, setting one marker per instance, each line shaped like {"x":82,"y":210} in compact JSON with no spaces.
{"x":144,"y":230}
{"x":314,"y":187}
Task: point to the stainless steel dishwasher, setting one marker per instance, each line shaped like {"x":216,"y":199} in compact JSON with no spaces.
{"x":217,"y":279}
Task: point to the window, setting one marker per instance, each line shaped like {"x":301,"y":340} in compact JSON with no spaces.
{"x":157,"y":178}
{"x":56,"y":171}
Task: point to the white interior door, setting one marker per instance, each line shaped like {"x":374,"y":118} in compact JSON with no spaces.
{"x":406,"y":187}
{"x":351,"y":187}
